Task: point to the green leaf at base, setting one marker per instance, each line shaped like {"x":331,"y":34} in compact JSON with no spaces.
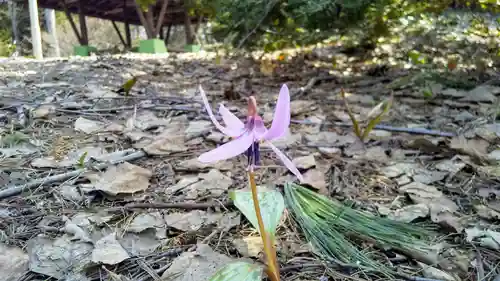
{"x":238,"y":271}
{"x":271,"y":204}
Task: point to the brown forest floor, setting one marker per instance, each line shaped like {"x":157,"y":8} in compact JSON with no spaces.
{"x":142,"y":217}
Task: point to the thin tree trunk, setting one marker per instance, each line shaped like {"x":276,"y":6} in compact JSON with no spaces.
{"x":188,"y":27}
{"x":50,"y":19}
{"x":36,"y":38}
{"x":13,"y":18}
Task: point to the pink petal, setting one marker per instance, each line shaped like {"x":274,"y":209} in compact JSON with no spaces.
{"x":259,"y":128}
{"x":232,"y":122}
{"x":221,"y":128}
{"x":288,"y":163}
{"x":229,"y":149}
{"x":281,"y":119}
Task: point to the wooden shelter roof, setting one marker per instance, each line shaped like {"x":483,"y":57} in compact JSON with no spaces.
{"x":117,"y":10}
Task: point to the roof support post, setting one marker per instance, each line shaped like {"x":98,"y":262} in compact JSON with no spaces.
{"x":119,"y":33}
{"x":187,"y":26}
{"x":71,"y":21}
{"x":144,"y":23}
{"x":128,"y":38}
{"x":36,"y":38}
{"x":149,"y":20}
{"x":83,"y":24}
{"x":169,"y":28}
{"x":161,"y":17}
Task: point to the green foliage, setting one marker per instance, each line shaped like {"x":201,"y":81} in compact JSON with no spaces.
{"x":238,"y":271}
{"x":272,"y":25}
{"x":144,"y":4}
{"x":6,"y":46}
{"x":81,"y":160}
{"x":13,"y":138}
{"x":271,"y":204}
{"x":373,"y":118}
{"x":328,"y":225}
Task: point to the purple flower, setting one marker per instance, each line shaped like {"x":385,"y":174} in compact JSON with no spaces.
{"x":248,"y":136}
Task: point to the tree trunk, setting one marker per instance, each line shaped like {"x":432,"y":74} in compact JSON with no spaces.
{"x":36,"y":38}
{"x":13,"y":18}
{"x":188,"y":27}
{"x":50,"y":19}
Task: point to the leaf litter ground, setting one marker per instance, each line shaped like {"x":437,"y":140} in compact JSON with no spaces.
{"x":98,"y":186}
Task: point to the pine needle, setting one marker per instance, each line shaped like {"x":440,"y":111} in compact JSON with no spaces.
{"x":328,"y":225}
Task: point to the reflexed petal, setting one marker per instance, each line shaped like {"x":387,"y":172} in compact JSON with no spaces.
{"x":232,"y":122}
{"x":288,"y":163}
{"x":281,"y":119}
{"x":229,"y":149}
{"x":221,"y":128}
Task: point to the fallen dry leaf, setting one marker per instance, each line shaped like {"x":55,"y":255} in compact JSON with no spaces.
{"x":249,"y":246}
{"x":198,"y":265}
{"x":410,"y":213}
{"x":13,"y":262}
{"x":123,"y":178}
{"x":194,"y":220}
{"x":109,"y":251}
{"x":305,"y":162}
{"x":87,"y":126}
{"x":57,"y":257}
{"x":317,"y":180}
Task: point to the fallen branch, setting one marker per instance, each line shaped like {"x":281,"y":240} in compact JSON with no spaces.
{"x":15,"y":190}
{"x":419,"y":131}
{"x":341,"y":265}
{"x":185,"y":206}
{"x":311,"y":83}
{"x":207,"y":239}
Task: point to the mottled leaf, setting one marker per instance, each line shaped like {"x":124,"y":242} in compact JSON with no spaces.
{"x":238,"y":271}
{"x":271,"y":204}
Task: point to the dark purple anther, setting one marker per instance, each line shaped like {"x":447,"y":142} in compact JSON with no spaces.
{"x":253,"y":154}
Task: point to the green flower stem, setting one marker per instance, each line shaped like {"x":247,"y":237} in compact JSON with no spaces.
{"x":269,"y":250}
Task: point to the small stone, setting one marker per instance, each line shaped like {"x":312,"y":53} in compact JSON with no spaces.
{"x":217,"y":137}
{"x":268,"y":117}
{"x":494,"y":155}
{"x":44,"y":111}
{"x":304,"y":162}
{"x":451,"y":165}
{"x":402,"y":180}
{"x":464,"y":116}
{"x":383,"y":210}
{"x":330,"y":151}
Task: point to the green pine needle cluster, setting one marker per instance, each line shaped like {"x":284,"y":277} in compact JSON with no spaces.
{"x":332,"y":229}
